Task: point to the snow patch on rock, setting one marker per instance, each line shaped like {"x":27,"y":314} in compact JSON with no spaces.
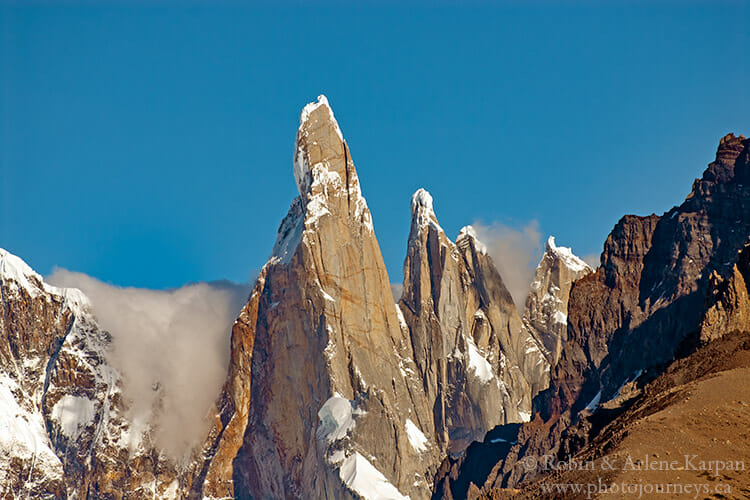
{"x":73,"y":414}
{"x":289,"y":235}
{"x":560,"y":317}
{"x":301,"y":167}
{"x":594,"y":403}
{"x":18,"y":274}
{"x":470,"y":232}
{"x":566,"y":255}
{"x":478,"y":363}
{"x":23,"y":433}
{"x":336,"y":419}
{"x":417,"y":439}
{"x":401,"y":319}
{"x":363,"y":478}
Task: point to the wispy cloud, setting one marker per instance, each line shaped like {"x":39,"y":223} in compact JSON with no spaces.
{"x":592,"y":259}
{"x":397,"y":289}
{"x":516,"y":252}
{"x":172,"y":348}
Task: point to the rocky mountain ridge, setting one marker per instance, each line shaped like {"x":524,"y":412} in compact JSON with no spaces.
{"x":666,"y":285}
{"x":333,"y":389}
{"x":336,"y":391}
{"x":348,"y":389}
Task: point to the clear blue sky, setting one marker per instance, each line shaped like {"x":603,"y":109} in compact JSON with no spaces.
{"x":152,"y":145}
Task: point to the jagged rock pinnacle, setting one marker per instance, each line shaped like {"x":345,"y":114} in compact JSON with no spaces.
{"x":468,"y":234}
{"x":547,"y":302}
{"x":319,"y":142}
{"x":422,"y":213}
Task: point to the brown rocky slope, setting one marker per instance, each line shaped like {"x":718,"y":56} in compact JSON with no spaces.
{"x":652,"y":298}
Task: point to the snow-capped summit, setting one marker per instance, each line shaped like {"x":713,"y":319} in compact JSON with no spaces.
{"x":480,"y":366}
{"x":469,"y":233}
{"x":547,"y":303}
{"x":316,"y":125}
{"x":422,"y":211}
{"x":326,"y":180}
{"x":322,"y":344}
{"x":565,"y":254}
{"x":421,"y":198}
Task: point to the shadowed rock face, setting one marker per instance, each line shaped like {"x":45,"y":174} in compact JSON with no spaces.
{"x":648,"y":298}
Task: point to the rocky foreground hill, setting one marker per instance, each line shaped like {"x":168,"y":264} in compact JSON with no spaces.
{"x":334,"y":390}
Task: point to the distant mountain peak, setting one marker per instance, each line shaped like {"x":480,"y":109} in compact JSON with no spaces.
{"x":468,"y":234}
{"x":422,"y":211}
{"x":565,"y":254}
{"x":547,"y":302}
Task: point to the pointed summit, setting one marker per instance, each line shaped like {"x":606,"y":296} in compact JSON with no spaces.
{"x":326,"y":180}
{"x":730,"y":164}
{"x":467,"y":236}
{"x":422,"y":213}
{"x":547,"y":303}
{"x":319,"y":141}
{"x":479,"y":364}
{"x":565,"y":254}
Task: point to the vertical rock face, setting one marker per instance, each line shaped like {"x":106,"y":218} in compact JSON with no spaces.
{"x":337,"y":391}
{"x":545,"y":318}
{"x":649,"y":293}
{"x":648,"y":297}
{"x":479,"y":364}
{"x":547,"y":304}
{"x":334,"y":409}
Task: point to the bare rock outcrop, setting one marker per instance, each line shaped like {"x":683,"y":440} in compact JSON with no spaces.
{"x":728,"y":301}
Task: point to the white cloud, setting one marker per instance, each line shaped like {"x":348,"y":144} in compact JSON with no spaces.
{"x":172,"y":344}
{"x":397,"y":289}
{"x":515,"y":252}
{"x":592,"y":259}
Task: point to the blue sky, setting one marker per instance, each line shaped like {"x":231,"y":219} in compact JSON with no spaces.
{"x":151,"y":145}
